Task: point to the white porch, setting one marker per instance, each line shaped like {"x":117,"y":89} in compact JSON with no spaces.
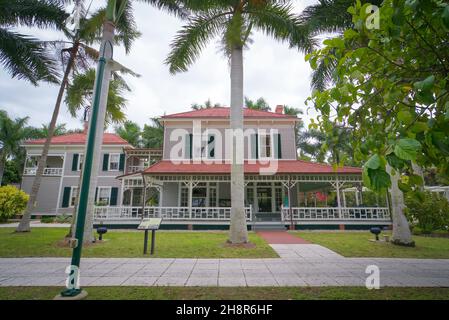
{"x":284,"y":199}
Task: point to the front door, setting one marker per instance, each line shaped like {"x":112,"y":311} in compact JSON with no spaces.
{"x":264,"y":197}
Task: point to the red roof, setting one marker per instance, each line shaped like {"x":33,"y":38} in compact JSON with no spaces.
{"x":223,"y":112}
{"x":283,"y":166}
{"x":79,"y":138}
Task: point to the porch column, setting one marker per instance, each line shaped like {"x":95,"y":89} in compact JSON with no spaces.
{"x":337,"y":187}
{"x":344,"y":198}
{"x":144,"y":193}
{"x":190,"y":184}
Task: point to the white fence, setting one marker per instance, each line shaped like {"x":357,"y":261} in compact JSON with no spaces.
{"x":167,"y":213}
{"x":47,"y":171}
{"x":332,"y":213}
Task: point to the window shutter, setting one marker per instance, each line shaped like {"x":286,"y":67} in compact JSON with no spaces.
{"x":96,"y":194}
{"x":255,"y":146}
{"x":121,"y":166}
{"x":66,"y":197}
{"x":105,"y":161}
{"x":114,"y":194}
{"x":188,"y":150}
{"x":75,"y":162}
{"x":211,"y":147}
{"x":277,"y":146}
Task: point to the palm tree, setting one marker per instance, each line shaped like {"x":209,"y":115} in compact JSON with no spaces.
{"x":79,"y":94}
{"x":233,"y":21}
{"x":207,"y":104}
{"x":79,"y":54}
{"x":328,"y":16}
{"x":23,"y":56}
{"x":12,"y":133}
{"x":42,"y":132}
{"x":259,"y":104}
{"x":130,"y":131}
{"x":153,"y":134}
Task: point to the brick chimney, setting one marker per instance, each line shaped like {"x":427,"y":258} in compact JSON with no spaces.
{"x":279,"y":109}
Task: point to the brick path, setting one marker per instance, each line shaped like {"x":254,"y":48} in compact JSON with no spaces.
{"x":281,"y":237}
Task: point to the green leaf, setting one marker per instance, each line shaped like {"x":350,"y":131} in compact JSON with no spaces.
{"x":426,"y":84}
{"x":407,"y":149}
{"x":445,"y":16}
{"x":373,"y":162}
{"x":404,"y":187}
{"x":405,"y":116}
{"x":379,"y":179}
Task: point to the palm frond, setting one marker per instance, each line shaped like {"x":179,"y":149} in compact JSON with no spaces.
{"x":323,"y":75}
{"x":278,"y":21}
{"x":25,"y":57}
{"x":175,"y":7}
{"x":33,"y":13}
{"x":193,"y":37}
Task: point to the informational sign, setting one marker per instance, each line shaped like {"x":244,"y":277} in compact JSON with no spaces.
{"x":150,"y":224}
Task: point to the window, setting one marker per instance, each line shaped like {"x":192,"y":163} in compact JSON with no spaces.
{"x":103,"y":196}
{"x":114,"y":162}
{"x":211,"y":147}
{"x":73,"y":196}
{"x":80,"y":161}
{"x":265,"y":145}
{"x":203,"y":194}
{"x":184,"y":196}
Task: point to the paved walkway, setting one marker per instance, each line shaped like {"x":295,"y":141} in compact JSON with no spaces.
{"x":281,"y":237}
{"x":298,"y":265}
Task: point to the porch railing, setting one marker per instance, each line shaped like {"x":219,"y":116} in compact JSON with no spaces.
{"x":47,"y":171}
{"x":133,"y":169}
{"x":332,"y":213}
{"x":167,"y":213}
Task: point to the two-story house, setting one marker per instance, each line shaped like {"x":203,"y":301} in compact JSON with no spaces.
{"x":191,"y":187}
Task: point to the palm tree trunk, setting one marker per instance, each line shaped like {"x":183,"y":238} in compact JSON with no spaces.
{"x":238,"y":232}
{"x":105,"y":51}
{"x":401,"y":229}
{"x":24,"y":225}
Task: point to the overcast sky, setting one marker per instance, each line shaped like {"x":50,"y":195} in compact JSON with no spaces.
{"x":271,"y":70}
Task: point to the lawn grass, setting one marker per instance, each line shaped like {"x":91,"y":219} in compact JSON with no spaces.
{"x":357,"y":244}
{"x":223,"y":293}
{"x":46,"y":242}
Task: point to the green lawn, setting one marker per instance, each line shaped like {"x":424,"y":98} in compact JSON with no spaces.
{"x":46,"y":242}
{"x":356,"y":244}
{"x":244,"y":293}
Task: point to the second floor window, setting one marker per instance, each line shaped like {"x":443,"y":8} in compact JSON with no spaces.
{"x":265,"y":146}
{"x":73,"y":196}
{"x":114,"y":162}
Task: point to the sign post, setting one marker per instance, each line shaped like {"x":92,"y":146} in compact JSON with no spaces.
{"x":152,"y":224}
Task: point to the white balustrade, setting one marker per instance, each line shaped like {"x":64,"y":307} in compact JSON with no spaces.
{"x":102,"y":213}
{"x":333,"y":213}
{"x":47,"y":171}
{"x":133,"y":169}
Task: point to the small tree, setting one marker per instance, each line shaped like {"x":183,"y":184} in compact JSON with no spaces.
{"x":12,"y":201}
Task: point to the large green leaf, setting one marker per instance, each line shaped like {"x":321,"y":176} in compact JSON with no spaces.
{"x":407,"y":149}
{"x":374,"y":162}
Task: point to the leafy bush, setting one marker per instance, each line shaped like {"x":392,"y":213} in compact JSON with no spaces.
{"x":12,"y":201}
{"x":429,"y":211}
{"x":64,"y":218}
{"x":47,"y":219}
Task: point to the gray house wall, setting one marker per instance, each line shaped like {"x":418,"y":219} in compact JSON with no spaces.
{"x":173,"y":131}
{"x":49,"y":200}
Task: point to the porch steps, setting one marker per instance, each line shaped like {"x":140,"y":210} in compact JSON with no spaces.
{"x":268,"y":222}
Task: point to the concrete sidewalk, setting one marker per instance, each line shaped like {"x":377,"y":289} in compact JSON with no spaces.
{"x":298,"y":265}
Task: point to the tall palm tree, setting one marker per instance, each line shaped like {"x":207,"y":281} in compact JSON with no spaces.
{"x":42,"y":132}
{"x":131,"y":132}
{"x":233,"y":21}
{"x":79,"y":94}
{"x":80,"y":52}
{"x":12,"y":133}
{"x":23,"y":56}
{"x":259,"y":104}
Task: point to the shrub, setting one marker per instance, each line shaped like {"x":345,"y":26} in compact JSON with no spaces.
{"x":47,"y":219}
{"x":63,"y":218}
{"x":12,"y":201}
{"x":429,"y":211}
